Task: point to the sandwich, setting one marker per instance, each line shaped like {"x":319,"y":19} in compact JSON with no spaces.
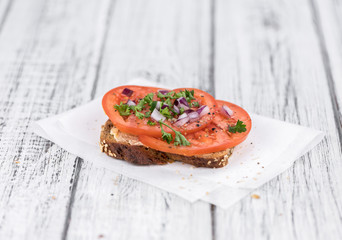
{"x":149,"y":125}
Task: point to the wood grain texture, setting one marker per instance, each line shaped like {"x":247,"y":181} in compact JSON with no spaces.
{"x":268,"y":59}
{"x":48,"y":63}
{"x":5,"y":9}
{"x":164,"y":41}
{"x":112,"y":206}
{"x":327,"y":19}
{"x":277,"y":58}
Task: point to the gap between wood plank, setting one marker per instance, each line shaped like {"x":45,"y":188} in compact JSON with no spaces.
{"x":327,"y":68}
{"x":78,"y":166}
{"x":212,"y":47}
{"x":103,"y":44}
{"x":212,"y":91}
{"x":330,"y":80}
{"x":4,"y":18}
{"x":213,"y":221}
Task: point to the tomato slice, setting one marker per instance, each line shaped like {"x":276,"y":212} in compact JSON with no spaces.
{"x":130,"y":124}
{"x":133,"y":125}
{"x":215,"y":137}
{"x":203,"y":98}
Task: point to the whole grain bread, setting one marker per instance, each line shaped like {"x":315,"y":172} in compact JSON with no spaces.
{"x":127,"y":147}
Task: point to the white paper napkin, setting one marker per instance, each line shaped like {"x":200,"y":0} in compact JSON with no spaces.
{"x":271,"y":147}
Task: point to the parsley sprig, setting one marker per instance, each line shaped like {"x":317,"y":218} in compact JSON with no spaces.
{"x":139,"y":115}
{"x":140,"y":106}
{"x":167,"y":95}
{"x":194,"y":104}
{"x":126,"y":110}
{"x":149,"y":98}
{"x":123,"y":109}
{"x":188,"y":95}
{"x":149,"y":122}
{"x":239,"y":127}
{"x":179,"y":138}
{"x":153,"y":106}
{"x":168,"y":112}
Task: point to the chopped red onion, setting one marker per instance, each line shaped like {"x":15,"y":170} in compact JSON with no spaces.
{"x":194,"y":116}
{"x":183,"y":106}
{"x":184,"y":115}
{"x":188,"y":111}
{"x":164,"y":106}
{"x":175,"y":108}
{"x":163,"y":91}
{"x":158,"y":105}
{"x":130,"y":103}
{"x":176,"y":103}
{"x":227,"y":111}
{"x":203,"y":110}
{"x":182,"y":103}
{"x":181,"y":122}
{"x":157,"y":116}
{"x":128,"y":92}
{"x":181,"y":100}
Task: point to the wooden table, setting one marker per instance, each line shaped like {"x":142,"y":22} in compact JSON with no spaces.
{"x":281,"y":59}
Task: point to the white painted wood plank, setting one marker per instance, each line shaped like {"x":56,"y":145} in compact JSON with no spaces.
{"x":47,"y":65}
{"x":112,"y":206}
{"x":268,"y":60}
{"x":271,"y":58}
{"x":5,"y":9}
{"x":166,"y":41}
{"x":328,"y":19}
{"x":171,"y":46}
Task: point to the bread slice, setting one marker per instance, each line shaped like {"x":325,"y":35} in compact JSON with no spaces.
{"x":128,"y":147}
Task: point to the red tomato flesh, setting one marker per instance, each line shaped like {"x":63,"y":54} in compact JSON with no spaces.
{"x":133,"y":125}
{"x":213,"y":138}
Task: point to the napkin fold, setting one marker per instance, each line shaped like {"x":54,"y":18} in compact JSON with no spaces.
{"x":271,"y":147}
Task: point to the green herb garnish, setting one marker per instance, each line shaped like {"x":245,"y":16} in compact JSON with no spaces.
{"x":139,"y":115}
{"x":149,"y":98}
{"x":149,"y":122}
{"x":140,"y":105}
{"x":165,"y":136}
{"x":160,"y":95}
{"x":123,"y":109}
{"x":153,"y":105}
{"x":189,"y":95}
{"x":178,"y":95}
{"x":194,"y":104}
{"x":239,"y":127}
{"x":167,"y":102}
{"x":148,"y":114}
{"x":166,"y":113}
{"x":167,"y":95}
{"x":179,"y":138}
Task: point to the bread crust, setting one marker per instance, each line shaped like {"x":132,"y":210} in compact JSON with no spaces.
{"x":142,"y":155}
